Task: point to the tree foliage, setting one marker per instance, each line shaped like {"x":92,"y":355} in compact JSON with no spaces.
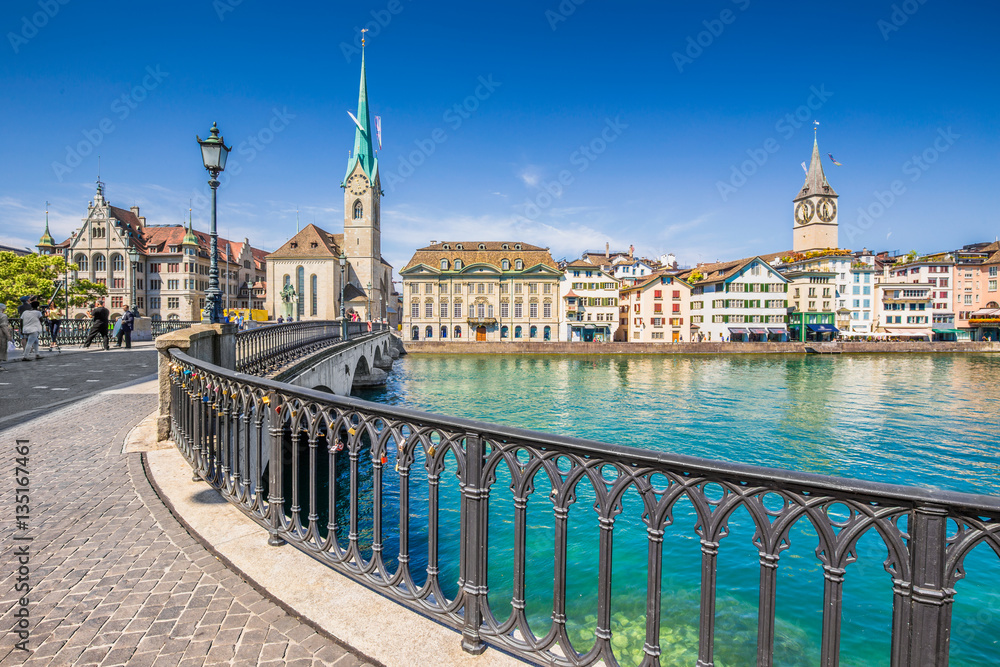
{"x":38,"y":275}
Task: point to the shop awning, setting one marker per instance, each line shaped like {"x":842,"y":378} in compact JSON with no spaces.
{"x":738,"y":330}
{"x":985,"y":312}
{"x":954,"y":331}
{"x":823,"y":328}
{"x":910,"y":333}
{"x":778,"y":330}
{"x":761,"y":332}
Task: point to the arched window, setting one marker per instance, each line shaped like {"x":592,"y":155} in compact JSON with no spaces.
{"x":517,"y":331}
{"x":992,"y":304}
{"x":100,"y":264}
{"x":444,"y":332}
{"x":505,"y":246}
{"x":428,"y":333}
{"x":458,"y":246}
{"x":173,"y":317}
{"x":300,"y":291}
{"x":533,"y":332}
{"x":505,"y":264}
{"x":415,"y":333}
{"x":444,"y":265}
{"x":359,"y":210}
{"x":458,"y":265}
{"x":504,"y":331}
{"x":517,"y":246}
{"x":518,"y":265}
{"x":82,"y":262}
{"x":482,"y":246}
{"x":287,"y":280}
{"x":458,"y":332}
{"x":117,"y":262}
{"x":547,"y":333}
{"x":313,"y":285}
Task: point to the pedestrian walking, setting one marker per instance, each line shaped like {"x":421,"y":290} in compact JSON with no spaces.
{"x":54,"y":316}
{"x":32,"y":328}
{"x":99,"y":316}
{"x":6,"y":337}
{"x":125,"y":325}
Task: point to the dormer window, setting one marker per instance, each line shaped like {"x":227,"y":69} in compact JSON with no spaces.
{"x":313,"y":244}
{"x":458,"y":246}
{"x":444,"y":265}
{"x":458,"y":265}
{"x":482,"y":246}
{"x":447,"y":246}
{"x":505,"y":264}
{"x":359,"y":210}
{"x":517,"y":246}
{"x":505,"y":246}
{"x":518,"y":265}
{"x":293,"y":244}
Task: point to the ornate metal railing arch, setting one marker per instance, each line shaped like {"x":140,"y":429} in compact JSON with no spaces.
{"x":268,"y":348}
{"x":336,"y":478}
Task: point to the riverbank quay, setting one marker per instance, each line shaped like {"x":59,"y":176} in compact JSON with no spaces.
{"x":705,"y":348}
{"x":114,"y":578}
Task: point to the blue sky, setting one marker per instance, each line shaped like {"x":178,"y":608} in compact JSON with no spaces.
{"x":672,"y":125}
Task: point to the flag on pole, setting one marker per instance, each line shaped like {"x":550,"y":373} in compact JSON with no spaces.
{"x":805,"y":168}
{"x":356,"y":121}
{"x":834,"y":160}
{"x":378,"y":130}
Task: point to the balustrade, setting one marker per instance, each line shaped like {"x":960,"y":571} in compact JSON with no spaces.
{"x":337,"y":478}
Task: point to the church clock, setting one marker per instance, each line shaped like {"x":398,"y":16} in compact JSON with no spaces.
{"x":803,"y":212}
{"x":827,"y":209}
{"x":357,"y":184}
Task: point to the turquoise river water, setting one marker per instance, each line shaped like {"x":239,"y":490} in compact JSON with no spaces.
{"x":924,"y":420}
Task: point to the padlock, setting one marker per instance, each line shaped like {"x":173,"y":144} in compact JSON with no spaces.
{"x":351,"y":431}
{"x":431,"y":450}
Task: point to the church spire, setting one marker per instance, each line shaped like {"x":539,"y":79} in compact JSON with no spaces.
{"x":816,"y":183}
{"x":46,"y":241}
{"x":364,"y":150}
{"x":189,"y":237}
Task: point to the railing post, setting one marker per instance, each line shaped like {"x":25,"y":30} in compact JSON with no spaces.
{"x":476,"y":515}
{"x":930,"y":617}
{"x":275,"y":501}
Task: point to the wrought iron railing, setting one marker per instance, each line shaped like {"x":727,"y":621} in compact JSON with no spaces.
{"x":316,"y":470}
{"x":265,"y":349}
{"x":71,"y":332}
{"x":160,"y":327}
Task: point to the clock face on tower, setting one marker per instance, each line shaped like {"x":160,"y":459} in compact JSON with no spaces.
{"x":803,"y":212}
{"x":827,"y":209}
{"x":357,"y":184}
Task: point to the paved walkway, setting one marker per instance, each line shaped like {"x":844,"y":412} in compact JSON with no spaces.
{"x":115,"y":578}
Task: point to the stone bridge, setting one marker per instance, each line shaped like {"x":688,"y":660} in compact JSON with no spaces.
{"x":360,"y":362}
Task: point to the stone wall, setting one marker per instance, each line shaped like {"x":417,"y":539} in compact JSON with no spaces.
{"x":450,"y":347}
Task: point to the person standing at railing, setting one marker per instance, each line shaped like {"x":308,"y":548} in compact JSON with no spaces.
{"x":31,"y":327}
{"x":54,"y":316}
{"x":99,"y":317}
{"x":127,"y":322}
{"x":6,"y":337}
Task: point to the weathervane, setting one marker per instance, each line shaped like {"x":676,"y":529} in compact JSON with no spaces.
{"x":363,"y":31}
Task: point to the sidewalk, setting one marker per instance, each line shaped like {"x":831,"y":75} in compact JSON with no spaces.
{"x":115,"y":579}
{"x":18,"y":355}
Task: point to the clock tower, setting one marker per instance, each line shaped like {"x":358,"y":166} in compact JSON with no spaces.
{"x":362,"y":195}
{"x":815,"y":210}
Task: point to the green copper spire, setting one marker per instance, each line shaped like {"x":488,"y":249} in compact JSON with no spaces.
{"x":364,"y":150}
{"x":190,"y":238}
{"x":46,"y":241}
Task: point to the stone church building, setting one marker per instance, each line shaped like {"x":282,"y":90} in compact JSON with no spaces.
{"x":310,"y":260}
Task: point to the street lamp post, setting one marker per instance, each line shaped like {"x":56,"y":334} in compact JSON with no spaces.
{"x":214,"y":153}
{"x":343,"y":315}
{"x":133,"y":256}
{"x":368,"y":308}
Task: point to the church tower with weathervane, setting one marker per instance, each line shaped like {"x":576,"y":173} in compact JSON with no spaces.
{"x":815,"y":210}
{"x":362,"y":201}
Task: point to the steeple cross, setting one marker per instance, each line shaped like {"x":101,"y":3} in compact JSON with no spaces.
{"x":363,"y":31}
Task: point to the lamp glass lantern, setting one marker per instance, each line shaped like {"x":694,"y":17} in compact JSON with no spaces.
{"x":214,"y":151}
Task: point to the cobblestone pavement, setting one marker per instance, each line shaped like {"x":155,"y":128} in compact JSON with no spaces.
{"x":115,"y":578}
